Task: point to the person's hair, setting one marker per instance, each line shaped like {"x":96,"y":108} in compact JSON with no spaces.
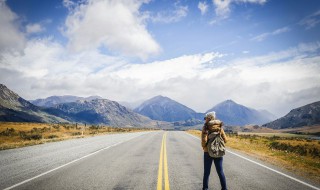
{"x":211,"y":115}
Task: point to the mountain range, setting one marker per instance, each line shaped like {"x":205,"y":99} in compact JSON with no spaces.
{"x":165,"y":109}
{"x":307,"y":115}
{"x":54,"y":100}
{"x":157,"y":112}
{"x":96,"y":111}
{"x":234,"y":114}
{"x":101,"y":111}
{"x":16,"y":109}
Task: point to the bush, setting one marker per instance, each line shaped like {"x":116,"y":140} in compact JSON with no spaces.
{"x":314,"y":152}
{"x":45,"y":129}
{"x":8,"y":132}
{"x":76,"y":133}
{"x":35,"y":130}
{"x":301,"y":150}
{"x":57,"y":127}
{"x":26,"y":136}
{"x":66,"y":127}
{"x":93,"y":127}
{"x":52,"y":136}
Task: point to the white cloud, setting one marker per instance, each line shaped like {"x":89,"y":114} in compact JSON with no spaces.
{"x":187,"y":66}
{"x":263,"y":36}
{"x":116,"y":25}
{"x":283,"y":80}
{"x":170,"y":16}
{"x":34,"y":28}
{"x":311,"y":20}
{"x":10,"y":36}
{"x":203,"y":6}
{"x":69,"y":4}
{"x":222,"y":7}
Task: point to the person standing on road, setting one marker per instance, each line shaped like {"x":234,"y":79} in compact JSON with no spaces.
{"x":212,"y":125}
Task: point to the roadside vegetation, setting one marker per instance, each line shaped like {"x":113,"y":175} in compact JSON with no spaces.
{"x":14,"y":135}
{"x":295,"y":153}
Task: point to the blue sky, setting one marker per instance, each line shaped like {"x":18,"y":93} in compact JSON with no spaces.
{"x":194,"y":32}
{"x":196,"y":52}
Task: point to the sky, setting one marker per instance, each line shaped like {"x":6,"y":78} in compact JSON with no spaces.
{"x":264,"y":54}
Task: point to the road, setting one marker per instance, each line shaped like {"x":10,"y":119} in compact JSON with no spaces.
{"x":132,"y":161}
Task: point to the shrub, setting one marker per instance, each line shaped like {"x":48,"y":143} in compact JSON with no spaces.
{"x":66,"y":127}
{"x":93,"y":127}
{"x":76,"y":133}
{"x":26,"y":136}
{"x":301,"y":150}
{"x":57,"y":127}
{"x":52,"y":136}
{"x":35,"y":130}
{"x":314,"y":152}
{"x":8,"y":132}
{"x":45,"y":129}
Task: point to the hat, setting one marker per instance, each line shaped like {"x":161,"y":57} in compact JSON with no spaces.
{"x":210,"y":115}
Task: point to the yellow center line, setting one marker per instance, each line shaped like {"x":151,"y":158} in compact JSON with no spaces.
{"x":159,"y":186}
{"x":163,"y":158}
{"x":166,"y":176}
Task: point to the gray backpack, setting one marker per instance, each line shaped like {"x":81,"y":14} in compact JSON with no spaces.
{"x":216,"y":146}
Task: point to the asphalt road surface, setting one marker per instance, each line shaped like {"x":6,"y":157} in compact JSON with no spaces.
{"x":142,"y":161}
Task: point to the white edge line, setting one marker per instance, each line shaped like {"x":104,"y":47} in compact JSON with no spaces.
{"x":295,"y":179}
{"x":42,"y":174}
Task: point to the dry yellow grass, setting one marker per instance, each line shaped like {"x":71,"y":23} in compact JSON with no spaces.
{"x":306,"y":166}
{"x":15,"y":134}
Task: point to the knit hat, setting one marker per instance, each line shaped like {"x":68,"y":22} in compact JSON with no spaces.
{"x":210,"y":115}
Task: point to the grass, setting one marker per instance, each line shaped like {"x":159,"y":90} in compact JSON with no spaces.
{"x":15,"y":135}
{"x":298,"y":155}
{"x":277,"y":134}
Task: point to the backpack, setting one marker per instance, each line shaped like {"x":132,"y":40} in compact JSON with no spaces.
{"x":216,"y":146}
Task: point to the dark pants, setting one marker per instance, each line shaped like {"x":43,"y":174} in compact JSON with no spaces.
{"x":207,"y":162}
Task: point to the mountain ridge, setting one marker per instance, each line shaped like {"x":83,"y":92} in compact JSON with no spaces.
{"x":97,"y":111}
{"x":306,"y":115}
{"x":232,"y":113}
{"x":14,"y":108}
{"x":100,"y":111}
{"x":162,"y":108}
{"x":51,"y":101}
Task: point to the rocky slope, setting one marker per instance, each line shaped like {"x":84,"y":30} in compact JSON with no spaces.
{"x":102,"y":111}
{"x":54,"y":100}
{"x":235,"y":114}
{"x":307,"y":115}
{"x":165,"y":109}
{"x":16,"y":109}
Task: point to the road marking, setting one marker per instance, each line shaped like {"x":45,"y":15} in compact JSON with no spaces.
{"x":159,"y":185}
{"x":163,"y":158}
{"x":290,"y":177}
{"x":166,"y":175}
{"x":42,"y":174}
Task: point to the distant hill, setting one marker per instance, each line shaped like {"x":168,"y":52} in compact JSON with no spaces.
{"x":96,"y":111}
{"x":165,"y":109}
{"x":103,"y":111}
{"x":235,"y":114}
{"x":54,"y":100}
{"x":303,"y":116}
{"x":16,"y":109}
